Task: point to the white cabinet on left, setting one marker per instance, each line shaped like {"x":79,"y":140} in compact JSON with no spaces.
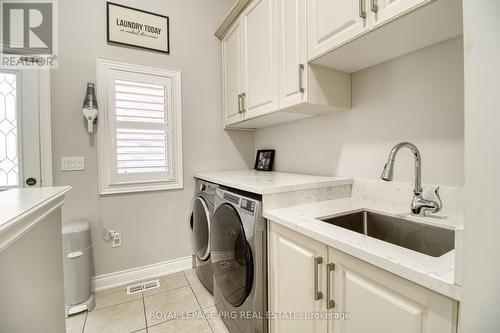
{"x":260,"y":56}
{"x":249,"y":63}
{"x":265,"y":74}
{"x":232,"y":86}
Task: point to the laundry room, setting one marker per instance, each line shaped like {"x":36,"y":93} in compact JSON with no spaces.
{"x":257,"y":166}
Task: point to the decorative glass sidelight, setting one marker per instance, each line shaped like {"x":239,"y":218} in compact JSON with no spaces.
{"x":9,"y":155}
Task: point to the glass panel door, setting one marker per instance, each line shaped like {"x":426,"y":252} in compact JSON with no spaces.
{"x":9,"y":145}
{"x":19,"y":129}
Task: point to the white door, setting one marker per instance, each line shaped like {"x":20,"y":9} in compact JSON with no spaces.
{"x":292,"y":40}
{"x":385,"y":10}
{"x":332,"y":23}
{"x":19,"y":129}
{"x":378,"y":301}
{"x":296,"y":277}
{"x":231,"y":75}
{"x":260,"y":57}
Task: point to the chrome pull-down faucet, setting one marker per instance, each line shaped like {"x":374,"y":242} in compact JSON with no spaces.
{"x":419,"y":204}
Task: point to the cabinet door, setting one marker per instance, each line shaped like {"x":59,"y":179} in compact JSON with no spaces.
{"x":231,"y":74}
{"x":332,"y":23}
{"x":260,"y":47}
{"x":292,"y":52}
{"x":378,"y":301}
{"x":294,"y":272}
{"x":385,"y":10}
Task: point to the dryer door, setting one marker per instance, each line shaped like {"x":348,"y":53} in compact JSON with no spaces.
{"x":231,"y":255}
{"x":201,"y":229}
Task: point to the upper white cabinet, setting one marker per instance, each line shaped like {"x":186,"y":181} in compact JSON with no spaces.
{"x":276,"y":82}
{"x":351,"y":35}
{"x":260,"y":58}
{"x":332,"y":23}
{"x":292,"y":38}
{"x":306,"y":276}
{"x":232,"y":82}
{"x":386,"y":10}
{"x":285,"y":60}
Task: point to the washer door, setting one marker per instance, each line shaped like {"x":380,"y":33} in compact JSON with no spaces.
{"x":231,"y":256}
{"x":201,"y":229}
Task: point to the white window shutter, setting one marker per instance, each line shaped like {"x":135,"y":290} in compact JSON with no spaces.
{"x":139,"y":141}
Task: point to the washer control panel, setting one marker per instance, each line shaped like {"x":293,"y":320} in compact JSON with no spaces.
{"x":248,"y":206}
{"x":231,"y":198}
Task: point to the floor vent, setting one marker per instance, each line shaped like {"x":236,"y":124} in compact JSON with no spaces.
{"x":143,"y":286}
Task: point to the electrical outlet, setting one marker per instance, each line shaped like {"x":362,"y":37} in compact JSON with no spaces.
{"x":117,"y":239}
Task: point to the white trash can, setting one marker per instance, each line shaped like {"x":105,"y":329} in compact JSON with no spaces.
{"x":78,"y":267}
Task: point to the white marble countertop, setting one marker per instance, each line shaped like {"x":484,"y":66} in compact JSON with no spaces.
{"x":16,"y":204}
{"x":264,"y":182}
{"x":435,"y":273}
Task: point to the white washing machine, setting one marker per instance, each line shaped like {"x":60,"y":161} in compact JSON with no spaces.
{"x":239,"y":259}
{"x":200,"y":223}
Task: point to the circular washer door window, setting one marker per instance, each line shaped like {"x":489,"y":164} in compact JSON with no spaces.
{"x":201,"y":229}
{"x":231,"y":256}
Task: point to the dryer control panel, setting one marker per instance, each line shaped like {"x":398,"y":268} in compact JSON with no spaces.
{"x":248,"y":206}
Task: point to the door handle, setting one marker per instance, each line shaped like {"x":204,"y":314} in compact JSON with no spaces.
{"x":317,"y":294}
{"x":374,"y":6}
{"x":301,"y":78}
{"x":362,"y":10}
{"x":31,"y":181}
{"x":330,"y":303}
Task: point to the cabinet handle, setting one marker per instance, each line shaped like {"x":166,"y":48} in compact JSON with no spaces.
{"x":362,"y":11}
{"x":74,"y":255}
{"x":330,"y":303}
{"x":301,"y":78}
{"x":317,"y":294}
{"x":243,"y":102}
{"x":239,"y":104}
{"x":374,"y":6}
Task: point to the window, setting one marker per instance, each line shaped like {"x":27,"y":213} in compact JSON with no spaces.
{"x":9,"y":156}
{"x":139,"y":128}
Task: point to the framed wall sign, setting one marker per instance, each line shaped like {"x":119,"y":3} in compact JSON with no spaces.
{"x":138,"y":28}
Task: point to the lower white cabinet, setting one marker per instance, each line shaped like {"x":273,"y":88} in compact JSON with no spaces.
{"x":296,"y":280}
{"x":373,"y":300}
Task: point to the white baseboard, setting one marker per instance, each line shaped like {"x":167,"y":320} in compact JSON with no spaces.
{"x":122,"y":278}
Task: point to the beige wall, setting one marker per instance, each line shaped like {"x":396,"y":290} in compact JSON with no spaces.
{"x":417,"y":98}
{"x":154,"y":225}
{"x":481,"y":278}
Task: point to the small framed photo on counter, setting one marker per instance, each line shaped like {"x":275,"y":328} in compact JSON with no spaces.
{"x":264,"y":160}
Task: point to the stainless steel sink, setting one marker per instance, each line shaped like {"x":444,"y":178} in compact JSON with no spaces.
{"x":427,"y":239}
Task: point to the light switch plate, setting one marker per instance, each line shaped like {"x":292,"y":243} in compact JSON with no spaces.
{"x":72,"y":163}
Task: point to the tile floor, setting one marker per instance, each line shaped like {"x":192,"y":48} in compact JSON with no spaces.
{"x":152,"y":311}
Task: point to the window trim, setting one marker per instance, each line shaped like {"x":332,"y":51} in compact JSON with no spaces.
{"x":105,"y":134}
